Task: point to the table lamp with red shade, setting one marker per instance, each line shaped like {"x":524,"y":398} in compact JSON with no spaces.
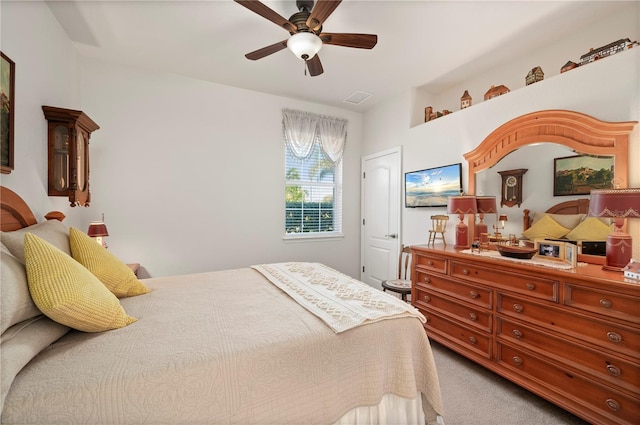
{"x":462,"y":205}
{"x":617,"y":204}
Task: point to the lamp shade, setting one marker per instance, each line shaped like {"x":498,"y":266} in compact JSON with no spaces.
{"x":97,"y":229}
{"x":486,"y":204}
{"x":304,"y":45}
{"x":617,"y":204}
{"x":462,"y":204}
{"x":503,"y":217}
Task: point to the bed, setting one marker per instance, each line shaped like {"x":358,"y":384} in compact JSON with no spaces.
{"x":233,"y":346}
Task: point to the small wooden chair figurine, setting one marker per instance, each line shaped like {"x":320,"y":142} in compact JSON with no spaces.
{"x":401,"y":285}
{"x":438,"y":226}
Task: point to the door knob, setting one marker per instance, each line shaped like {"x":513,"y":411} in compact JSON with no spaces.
{"x":392,"y":236}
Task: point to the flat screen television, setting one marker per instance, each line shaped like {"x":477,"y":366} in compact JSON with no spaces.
{"x":433,"y":186}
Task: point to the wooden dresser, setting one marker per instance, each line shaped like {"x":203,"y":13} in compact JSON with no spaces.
{"x":572,"y":337}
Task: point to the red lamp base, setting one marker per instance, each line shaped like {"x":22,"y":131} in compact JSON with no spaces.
{"x":462,"y":236}
{"x":618,"y":251}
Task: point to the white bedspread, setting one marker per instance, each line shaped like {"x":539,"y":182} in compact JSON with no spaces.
{"x":223,"y":347}
{"x":339,"y":300}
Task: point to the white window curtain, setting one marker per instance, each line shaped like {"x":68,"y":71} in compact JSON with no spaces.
{"x":302,"y":129}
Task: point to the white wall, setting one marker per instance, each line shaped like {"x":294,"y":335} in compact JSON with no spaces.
{"x":608,"y":89}
{"x":189,"y":174}
{"x":46,"y":74}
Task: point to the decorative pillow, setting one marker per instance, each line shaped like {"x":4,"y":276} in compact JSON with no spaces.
{"x":113,"y":273}
{"x":52,"y":231}
{"x":16,"y":304}
{"x":591,"y":229}
{"x":21,"y":343}
{"x":565,"y":220}
{"x":67,"y":292}
{"x":545,"y":228}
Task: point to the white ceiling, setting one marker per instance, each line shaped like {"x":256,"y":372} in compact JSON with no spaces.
{"x":420,"y":43}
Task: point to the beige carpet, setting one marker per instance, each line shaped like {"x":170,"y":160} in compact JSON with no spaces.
{"x":473,"y":395}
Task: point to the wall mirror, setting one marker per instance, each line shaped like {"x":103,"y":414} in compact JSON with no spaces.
{"x":546,"y":134}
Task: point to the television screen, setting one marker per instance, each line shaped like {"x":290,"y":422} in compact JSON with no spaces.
{"x":432,"y":187}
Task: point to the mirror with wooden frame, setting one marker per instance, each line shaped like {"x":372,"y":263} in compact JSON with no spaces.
{"x":68,"y":134}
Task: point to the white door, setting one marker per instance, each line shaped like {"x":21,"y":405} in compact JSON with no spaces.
{"x":381,"y":204}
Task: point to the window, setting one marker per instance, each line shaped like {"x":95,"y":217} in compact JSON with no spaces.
{"x":314,"y":145}
{"x":313,"y":194}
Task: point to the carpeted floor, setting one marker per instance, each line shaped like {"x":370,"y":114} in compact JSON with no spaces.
{"x":472,"y":395}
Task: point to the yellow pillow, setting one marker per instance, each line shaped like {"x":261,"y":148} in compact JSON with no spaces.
{"x":591,"y":229}
{"x":113,"y":273}
{"x":545,"y":228}
{"x":68,"y":293}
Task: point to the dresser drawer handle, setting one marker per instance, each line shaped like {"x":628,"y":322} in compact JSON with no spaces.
{"x":614,"y":337}
{"x":517,"y":361}
{"x":474,"y":294}
{"x":426,"y":318}
{"x":426,"y":298}
{"x":517,"y":333}
{"x":518,"y":308}
{"x":605,"y":303}
{"x":531,"y":286}
{"x":427,"y":280}
{"x":613,"y":405}
{"x":613,"y":370}
{"x":465,"y":271}
{"x":472,"y":340}
{"x":430,"y":263}
{"x":473,"y":316}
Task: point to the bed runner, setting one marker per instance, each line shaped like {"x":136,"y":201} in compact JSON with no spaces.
{"x":337,"y":299}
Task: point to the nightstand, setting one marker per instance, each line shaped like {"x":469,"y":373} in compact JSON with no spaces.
{"x":134,"y":267}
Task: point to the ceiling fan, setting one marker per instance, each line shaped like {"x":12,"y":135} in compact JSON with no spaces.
{"x":305,"y":28}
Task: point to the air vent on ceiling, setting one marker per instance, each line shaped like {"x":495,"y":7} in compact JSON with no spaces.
{"x":358,"y":97}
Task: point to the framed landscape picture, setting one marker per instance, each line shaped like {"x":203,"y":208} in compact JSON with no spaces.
{"x":577,"y":175}
{"x":7,"y":86}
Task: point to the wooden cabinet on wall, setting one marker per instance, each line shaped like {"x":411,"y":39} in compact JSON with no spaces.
{"x":572,"y":337}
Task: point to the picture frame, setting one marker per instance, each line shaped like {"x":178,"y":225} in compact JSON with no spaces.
{"x":552,"y":250}
{"x":7,"y":114}
{"x":579,"y":174}
{"x":571,"y":254}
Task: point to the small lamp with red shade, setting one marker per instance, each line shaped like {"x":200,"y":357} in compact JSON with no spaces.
{"x":485,"y":205}
{"x":98,"y":230}
{"x":617,"y":204}
{"x":462,"y":205}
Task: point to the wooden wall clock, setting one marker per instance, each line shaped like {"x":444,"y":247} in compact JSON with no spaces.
{"x":511,"y":187}
{"x":68,"y":146}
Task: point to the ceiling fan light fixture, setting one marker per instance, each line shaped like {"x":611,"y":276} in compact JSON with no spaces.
{"x":304,"y":45}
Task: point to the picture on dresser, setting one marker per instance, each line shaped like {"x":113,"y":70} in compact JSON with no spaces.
{"x":571,"y":254}
{"x":579,"y":174}
{"x":550,"y":249}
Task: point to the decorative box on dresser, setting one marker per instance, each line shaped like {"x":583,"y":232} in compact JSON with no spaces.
{"x":570,"y":336}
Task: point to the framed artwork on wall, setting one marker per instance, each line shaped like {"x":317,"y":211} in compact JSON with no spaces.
{"x":7,"y":98}
{"x":577,"y":175}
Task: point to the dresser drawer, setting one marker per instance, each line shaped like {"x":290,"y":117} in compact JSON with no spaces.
{"x":533,"y":286}
{"x":611,"y":406}
{"x":468,"y":313}
{"x":463,"y":337}
{"x":430,"y":262}
{"x":468,"y":292}
{"x":608,"y":335}
{"x":626,"y":307}
{"x":615,"y":370}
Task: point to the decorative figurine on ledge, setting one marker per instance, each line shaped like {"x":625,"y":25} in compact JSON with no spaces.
{"x":496,"y":91}
{"x":465,"y":100}
{"x":534,"y":76}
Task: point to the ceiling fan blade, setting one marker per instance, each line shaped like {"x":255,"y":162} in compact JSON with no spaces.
{"x":359,"y":41}
{"x":321,"y":12}
{"x":315,"y":66}
{"x":266,"y":51}
{"x":268,"y":13}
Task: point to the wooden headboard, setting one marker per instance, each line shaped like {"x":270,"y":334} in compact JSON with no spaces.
{"x":577,"y":206}
{"x":14,"y":211}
